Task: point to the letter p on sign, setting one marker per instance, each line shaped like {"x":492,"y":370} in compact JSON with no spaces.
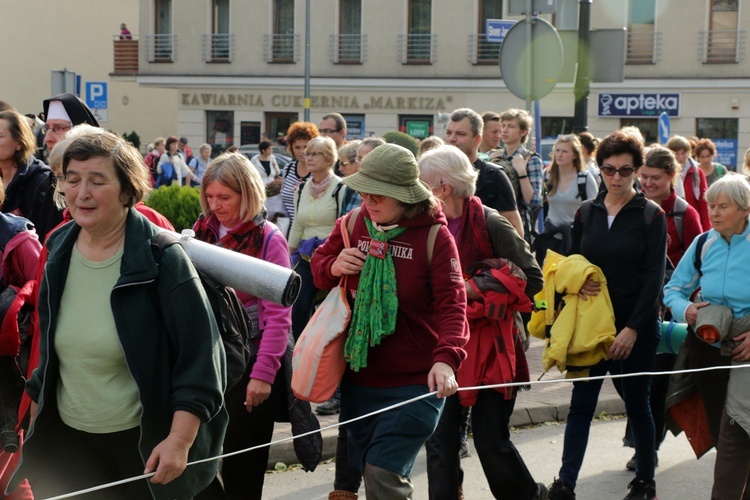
{"x":96,"y":95}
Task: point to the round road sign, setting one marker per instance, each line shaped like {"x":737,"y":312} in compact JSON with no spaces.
{"x":545,"y":52}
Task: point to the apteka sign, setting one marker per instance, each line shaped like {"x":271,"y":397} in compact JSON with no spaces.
{"x":651,"y":105}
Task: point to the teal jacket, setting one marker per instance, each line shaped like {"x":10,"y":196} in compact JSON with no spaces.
{"x":171,"y":344}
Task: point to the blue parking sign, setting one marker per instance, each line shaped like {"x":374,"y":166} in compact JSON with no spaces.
{"x":96,"y":95}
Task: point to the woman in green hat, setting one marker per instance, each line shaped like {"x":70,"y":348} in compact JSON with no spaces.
{"x":408,"y":325}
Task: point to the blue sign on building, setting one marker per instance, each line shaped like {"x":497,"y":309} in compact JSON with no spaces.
{"x":96,"y":95}
{"x":497,"y":29}
{"x":639,"y":104}
{"x":726,"y":152}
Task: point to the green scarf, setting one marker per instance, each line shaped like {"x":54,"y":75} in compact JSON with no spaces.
{"x":376,"y":304}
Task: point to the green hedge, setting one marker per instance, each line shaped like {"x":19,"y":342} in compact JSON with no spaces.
{"x":180,"y":204}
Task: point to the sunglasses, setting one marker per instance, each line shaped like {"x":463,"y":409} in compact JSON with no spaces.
{"x":376,"y":198}
{"x":623,"y":171}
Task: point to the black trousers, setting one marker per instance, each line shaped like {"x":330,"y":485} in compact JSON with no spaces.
{"x":505,"y":470}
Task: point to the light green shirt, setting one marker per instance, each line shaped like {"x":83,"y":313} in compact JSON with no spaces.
{"x":96,"y":392}
{"x":315,"y":217}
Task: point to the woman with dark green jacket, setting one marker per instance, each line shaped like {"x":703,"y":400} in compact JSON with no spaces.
{"x":131,"y":373}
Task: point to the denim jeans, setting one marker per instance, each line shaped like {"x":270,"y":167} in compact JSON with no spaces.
{"x":303,"y":306}
{"x":633,"y":390}
{"x":505,"y":470}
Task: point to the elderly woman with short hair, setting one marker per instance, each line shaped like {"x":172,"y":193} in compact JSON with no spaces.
{"x":722,"y":280}
{"x":318,"y":202}
{"x":481,"y":233}
{"x":132,"y":372}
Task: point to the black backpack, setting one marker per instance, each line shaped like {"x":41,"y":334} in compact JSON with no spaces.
{"x":234,"y":324}
{"x":678,"y":214}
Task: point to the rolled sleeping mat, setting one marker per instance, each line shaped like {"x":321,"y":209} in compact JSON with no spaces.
{"x":242,"y":272}
{"x":672,"y":336}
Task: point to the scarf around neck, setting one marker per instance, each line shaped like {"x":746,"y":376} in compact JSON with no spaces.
{"x":474,"y":243}
{"x":376,"y":304}
{"x":247,"y":238}
{"x":317,"y":189}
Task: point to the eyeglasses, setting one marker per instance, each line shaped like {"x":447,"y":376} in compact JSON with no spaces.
{"x":623,"y":171}
{"x":58,"y":129}
{"x":376,"y":198}
{"x":329,"y":130}
{"x":312,"y":155}
{"x":359,"y":159}
{"x":345,"y":163}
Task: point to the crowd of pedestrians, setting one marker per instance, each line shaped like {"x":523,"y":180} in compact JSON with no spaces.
{"x":447,"y":254}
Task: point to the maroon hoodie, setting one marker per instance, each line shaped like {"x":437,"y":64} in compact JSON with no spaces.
{"x":431,"y":324}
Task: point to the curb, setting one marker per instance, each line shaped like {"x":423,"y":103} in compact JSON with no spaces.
{"x":522,"y":416}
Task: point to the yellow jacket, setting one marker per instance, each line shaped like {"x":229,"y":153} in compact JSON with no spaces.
{"x":582,"y":332}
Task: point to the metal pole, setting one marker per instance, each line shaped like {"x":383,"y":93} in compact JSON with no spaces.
{"x":529,"y":71}
{"x":307,"y":61}
{"x":581,"y":90}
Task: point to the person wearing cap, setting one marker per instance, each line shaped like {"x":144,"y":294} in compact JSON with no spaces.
{"x":29,"y":183}
{"x":408,"y":324}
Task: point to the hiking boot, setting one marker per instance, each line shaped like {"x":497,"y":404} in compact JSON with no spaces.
{"x":464,"y":448}
{"x":330,"y":407}
{"x":560,"y":491}
{"x":632,"y":462}
{"x":642,"y":490}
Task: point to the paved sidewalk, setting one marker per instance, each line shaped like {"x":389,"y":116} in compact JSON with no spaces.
{"x":543,"y":403}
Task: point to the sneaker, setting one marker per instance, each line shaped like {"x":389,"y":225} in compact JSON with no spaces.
{"x":464,"y":448}
{"x":632,"y":462}
{"x":560,"y":491}
{"x":541,"y":492}
{"x":642,"y":490}
{"x":330,"y":407}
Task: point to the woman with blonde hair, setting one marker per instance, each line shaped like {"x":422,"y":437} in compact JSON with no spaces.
{"x":318,"y":202}
{"x":569,"y":184}
{"x":232,"y":198}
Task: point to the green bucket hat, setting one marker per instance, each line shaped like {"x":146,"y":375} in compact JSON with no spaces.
{"x":390,"y":170}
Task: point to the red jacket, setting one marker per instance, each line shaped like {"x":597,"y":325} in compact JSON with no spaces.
{"x":690,"y":183}
{"x":691,"y":228}
{"x":431,"y":323}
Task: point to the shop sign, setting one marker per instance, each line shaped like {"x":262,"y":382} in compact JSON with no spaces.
{"x":639,"y":104}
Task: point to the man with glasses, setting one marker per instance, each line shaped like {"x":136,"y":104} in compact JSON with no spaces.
{"x":333,"y":125}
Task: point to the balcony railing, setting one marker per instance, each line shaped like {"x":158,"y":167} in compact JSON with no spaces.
{"x":722,"y":46}
{"x":643,"y":47}
{"x":281,"y":48}
{"x":483,"y":52}
{"x":417,"y":49}
{"x":348,"y":49}
{"x":218,"y":47}
{"x":161,"y":47}
{"x":125,"y":56}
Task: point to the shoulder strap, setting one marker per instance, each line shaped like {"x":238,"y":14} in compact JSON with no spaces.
{"x":650,"y":211}
{"x":431,"y":237}
{"x":162,"y":240}
{"x":698,"y":258}
{"x":352,"y":220}
{"x":678,"y":216}
{"x":300,"y":187}
{"x":268,"y":240}
{"x":581,"y":178}
{"x":335,"y":196}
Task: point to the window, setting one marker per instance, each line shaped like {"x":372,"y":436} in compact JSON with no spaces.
{"x":278,"y":123}
{"x":283,"y":42}
{"x":221,"y":40}
{"x":487,"y":52}
{"x":723,"y":132}
{"x":647,"y":126}
{"x":419,"y":39}
{"x":552,"y":126}
{"x":641,"y":33}
{"x":220,"y":130}
{"x":721,"y":41}
{"x":161,"y":46}
{"x":348,"y":44}
{"x":417,"y":126}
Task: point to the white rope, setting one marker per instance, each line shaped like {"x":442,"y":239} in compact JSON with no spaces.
{"x":398,"y":405}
